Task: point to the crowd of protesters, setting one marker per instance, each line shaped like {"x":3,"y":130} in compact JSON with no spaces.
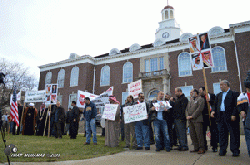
{"x":167,"y":129}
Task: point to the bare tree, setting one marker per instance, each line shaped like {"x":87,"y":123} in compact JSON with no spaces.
{"x":16,"y":74}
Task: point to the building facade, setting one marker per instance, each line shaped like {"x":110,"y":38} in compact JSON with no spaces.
{"x":162,"y":65}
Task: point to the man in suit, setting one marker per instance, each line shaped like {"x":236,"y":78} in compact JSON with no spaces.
{"x":59,"y":120}
{"x":227,"y":116}
{"x":74,"y":116}
{"x":204,"y":43}
{"x":195,"y":117}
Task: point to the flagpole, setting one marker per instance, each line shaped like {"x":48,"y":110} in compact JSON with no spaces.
{"x":206,"y":88}
{"x":49,"y":120}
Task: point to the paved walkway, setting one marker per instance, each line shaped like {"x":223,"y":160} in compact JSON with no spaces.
{"x":132,"y":157}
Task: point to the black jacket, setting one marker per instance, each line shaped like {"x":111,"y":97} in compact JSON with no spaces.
{"x":59,"y":113}
{"x":205,"y":110}
{"x":74,"y":114}
{"x":180,"y":108}
{"x":68,"y":117}
{"x":230,"y":105}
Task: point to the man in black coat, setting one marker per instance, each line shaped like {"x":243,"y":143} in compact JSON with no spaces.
{"x":59,"y":120}
{"x":74,"y":116}
{"x":180,"y":120}
{"x":227,"y":116}
{"x":209,"y":123}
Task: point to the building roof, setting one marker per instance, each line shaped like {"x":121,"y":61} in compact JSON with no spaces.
{"x":168,"y":7}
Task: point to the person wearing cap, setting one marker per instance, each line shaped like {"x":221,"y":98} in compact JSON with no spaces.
{"x":112,"y":128}
{"x":243,"y":105}
{"x":29,"y":120}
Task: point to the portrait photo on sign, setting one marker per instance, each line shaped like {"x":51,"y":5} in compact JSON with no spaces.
{"x":53,"y":98}
{"x":204,"y":41}
{"x":47,"y":89}
{"x":196,"y":61}
{"x":194,"y":44}
{"x":54,"y":88}
{"x":207,"y":59}
{"x":47,"y":97}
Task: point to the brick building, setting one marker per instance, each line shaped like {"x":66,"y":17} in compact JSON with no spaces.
{"x":162,"y":65}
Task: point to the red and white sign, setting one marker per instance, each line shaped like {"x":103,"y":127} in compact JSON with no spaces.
{"x":135,"y":88}
{"x":81,"y":96}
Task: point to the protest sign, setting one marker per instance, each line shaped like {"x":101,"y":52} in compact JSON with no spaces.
{"x":81,"y":96}
{"x":134,"y":88}
{"x":196,"y":61}
{"x":134,"y":113}
{"x":162,"y":106}
{"x":103,"y":98}
{"x":110,"y":111}
{"x":35,"y":96}
{"x":51,"y":91}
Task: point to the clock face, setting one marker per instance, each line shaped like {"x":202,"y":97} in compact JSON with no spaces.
{"x":165,"y":35}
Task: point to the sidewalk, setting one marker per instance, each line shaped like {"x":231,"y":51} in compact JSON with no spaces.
{"x":132,"y":157}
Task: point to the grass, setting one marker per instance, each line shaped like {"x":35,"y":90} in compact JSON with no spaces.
{"x":69,"y":149}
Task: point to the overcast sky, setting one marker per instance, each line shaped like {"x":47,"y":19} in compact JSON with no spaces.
{"x":37,"y":32}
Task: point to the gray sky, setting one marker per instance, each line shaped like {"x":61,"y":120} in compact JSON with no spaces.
{"x":37,"y":32}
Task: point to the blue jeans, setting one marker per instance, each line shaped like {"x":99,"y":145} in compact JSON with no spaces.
{"x":90,"y":125}
{"x":247,"y":137}
{"x":180,"y":126}
{"x":161,"y":125}
{"x":142,"y":134}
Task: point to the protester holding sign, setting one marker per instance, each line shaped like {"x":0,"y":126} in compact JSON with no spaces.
{"x":159,"y":109}
{"x":112,"y":127}
{"x":130,"y":127}
{"x":142,"y":128}
{"x":90,"y":115}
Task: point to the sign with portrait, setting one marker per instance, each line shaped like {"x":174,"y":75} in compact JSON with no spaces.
{"x":51,"y":93}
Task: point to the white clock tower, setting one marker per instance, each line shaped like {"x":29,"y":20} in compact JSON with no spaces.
{"x":168,"y":30}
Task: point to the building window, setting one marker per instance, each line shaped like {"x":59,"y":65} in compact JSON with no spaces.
{"x":105,"y":76}
{"x":127,"y":72}
{"x":124,"y":97}
{"x":184,"y":64}
{"x":59,"y":98}
{"x":72,"y":97}
{"x":216,"y":87}
{"x":166,"y":14}
{"x":60,"y":78}
{"x":171,"y":14}
{"x":74,"y":76}
{"x":48,"y":78}
{"x":161,"y":63}
{"x":186,"y":90}
{"x":219,"y":59}
{"x":153,"y":64}
{"x":147,"y":66}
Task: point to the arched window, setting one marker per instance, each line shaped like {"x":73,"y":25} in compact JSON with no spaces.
{"x":171,"y":14}
{"x":60,"y":78}
{"x":48,"y":78}
{"x":184,"y":64}
{"x":219,"y":59}
{"x":74,"y":76}
{"x":127,"y":72}
{"x":166,"y":14}
{"x":105,"y":76}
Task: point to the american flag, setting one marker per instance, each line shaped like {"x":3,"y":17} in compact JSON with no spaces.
{"x":14,"y":109}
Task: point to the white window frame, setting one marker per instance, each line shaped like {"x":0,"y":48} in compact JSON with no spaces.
{"x":102,"y":74}
{"x":188,"y":96}
{"x":59,"y":78}
{"x":212,"y":69}
{"x":74,"y":83}
{"x":148,"y":68}
{"x":179,"y":66}
{"x":214,"y":87}
{"x":48,"y":77}
{"x":69,"y":105}
{"x":126,"y":80}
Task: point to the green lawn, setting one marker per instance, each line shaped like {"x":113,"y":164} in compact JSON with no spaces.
{"x":69,"y":149}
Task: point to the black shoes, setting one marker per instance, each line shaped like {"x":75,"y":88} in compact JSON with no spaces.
{"x":147,"y":148}
{"x":222,"y":153}
{"x":214,"y":149}
{"x":126,"y":147}
{"x":139,"y":148}
{"x":157,"y":150}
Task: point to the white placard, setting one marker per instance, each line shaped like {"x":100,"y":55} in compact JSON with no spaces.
{"x":110,"y":111}
{"x":134,"y":88}
{"x":35,"y":96}
{"x":134,"y":113}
